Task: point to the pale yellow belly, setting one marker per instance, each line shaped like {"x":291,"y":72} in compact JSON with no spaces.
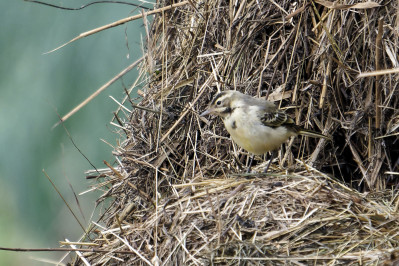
{"x":255,"y":137}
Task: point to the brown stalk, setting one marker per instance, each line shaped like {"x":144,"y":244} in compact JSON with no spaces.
{"x":378,"y":57}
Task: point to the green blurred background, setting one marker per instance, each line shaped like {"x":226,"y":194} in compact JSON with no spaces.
{"x":32,"y":86}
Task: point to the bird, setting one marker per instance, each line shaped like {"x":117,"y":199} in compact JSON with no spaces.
{"x":255,"y":124}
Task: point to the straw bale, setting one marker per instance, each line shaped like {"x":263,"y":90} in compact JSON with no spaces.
{"x":178,"y":188}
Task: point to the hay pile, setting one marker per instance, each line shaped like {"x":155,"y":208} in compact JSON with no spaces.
{"x":300,"y":217}
{"x":176,"y":194}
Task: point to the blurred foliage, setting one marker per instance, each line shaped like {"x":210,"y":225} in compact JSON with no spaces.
{"x":34,"y":88}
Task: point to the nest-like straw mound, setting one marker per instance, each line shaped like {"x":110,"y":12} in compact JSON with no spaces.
{"x":301,"y":217}
{"x":176,"y":194}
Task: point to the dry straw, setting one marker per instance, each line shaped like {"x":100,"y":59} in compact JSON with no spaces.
{"x":179,"y":195}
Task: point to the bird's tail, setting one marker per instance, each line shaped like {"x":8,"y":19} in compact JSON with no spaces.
{"x":313,"y":134}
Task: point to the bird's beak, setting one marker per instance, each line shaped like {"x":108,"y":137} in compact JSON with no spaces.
{"x":207,"y":112}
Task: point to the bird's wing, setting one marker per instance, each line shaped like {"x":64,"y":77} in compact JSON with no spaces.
{"x":268,"y":113}
{"x":276,"y":118}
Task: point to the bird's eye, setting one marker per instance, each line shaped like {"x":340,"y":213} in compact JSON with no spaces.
{"x":218,"y":102}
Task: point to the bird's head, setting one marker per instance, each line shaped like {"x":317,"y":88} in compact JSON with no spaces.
{"x":222,"y":104}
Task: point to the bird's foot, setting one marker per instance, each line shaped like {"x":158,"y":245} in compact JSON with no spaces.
{"x":250,"y":164}
{"x":274,"y":153}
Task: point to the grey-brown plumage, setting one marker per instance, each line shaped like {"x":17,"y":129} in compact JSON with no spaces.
{"x":255,"y":124}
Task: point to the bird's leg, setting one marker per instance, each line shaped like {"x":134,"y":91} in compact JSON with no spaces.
{"x":250,"y":163}
{"x":274,"y":153}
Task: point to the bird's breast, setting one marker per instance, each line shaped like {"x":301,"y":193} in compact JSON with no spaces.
{"x":249,"y":133}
